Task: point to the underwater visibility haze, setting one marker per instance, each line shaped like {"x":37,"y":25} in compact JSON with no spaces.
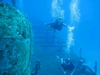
{"x":78,"y":38}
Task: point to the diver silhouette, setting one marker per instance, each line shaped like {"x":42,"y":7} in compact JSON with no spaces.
{"x":57,"y":25}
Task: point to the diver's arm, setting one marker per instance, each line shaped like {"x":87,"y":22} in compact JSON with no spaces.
{"x":48,"y":24}
{"x":65,"y":25}
{"x":62,"y":60}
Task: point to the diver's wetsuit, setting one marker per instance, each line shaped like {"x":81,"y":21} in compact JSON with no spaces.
{"x":68,"y":67}
{"x":56,"y":26}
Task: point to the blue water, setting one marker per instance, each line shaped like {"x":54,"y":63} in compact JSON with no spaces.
{"x":86,"y":33}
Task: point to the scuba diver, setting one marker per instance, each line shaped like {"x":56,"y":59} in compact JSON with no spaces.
{"x":70,"y":67}
{"x":67,"y":66}
{"x":57,"y":25}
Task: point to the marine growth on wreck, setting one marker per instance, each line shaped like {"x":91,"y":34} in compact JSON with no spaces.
{"x":15,"y":41}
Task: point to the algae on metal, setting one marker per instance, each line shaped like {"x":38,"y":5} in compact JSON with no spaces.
{"x":15,"y":41}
